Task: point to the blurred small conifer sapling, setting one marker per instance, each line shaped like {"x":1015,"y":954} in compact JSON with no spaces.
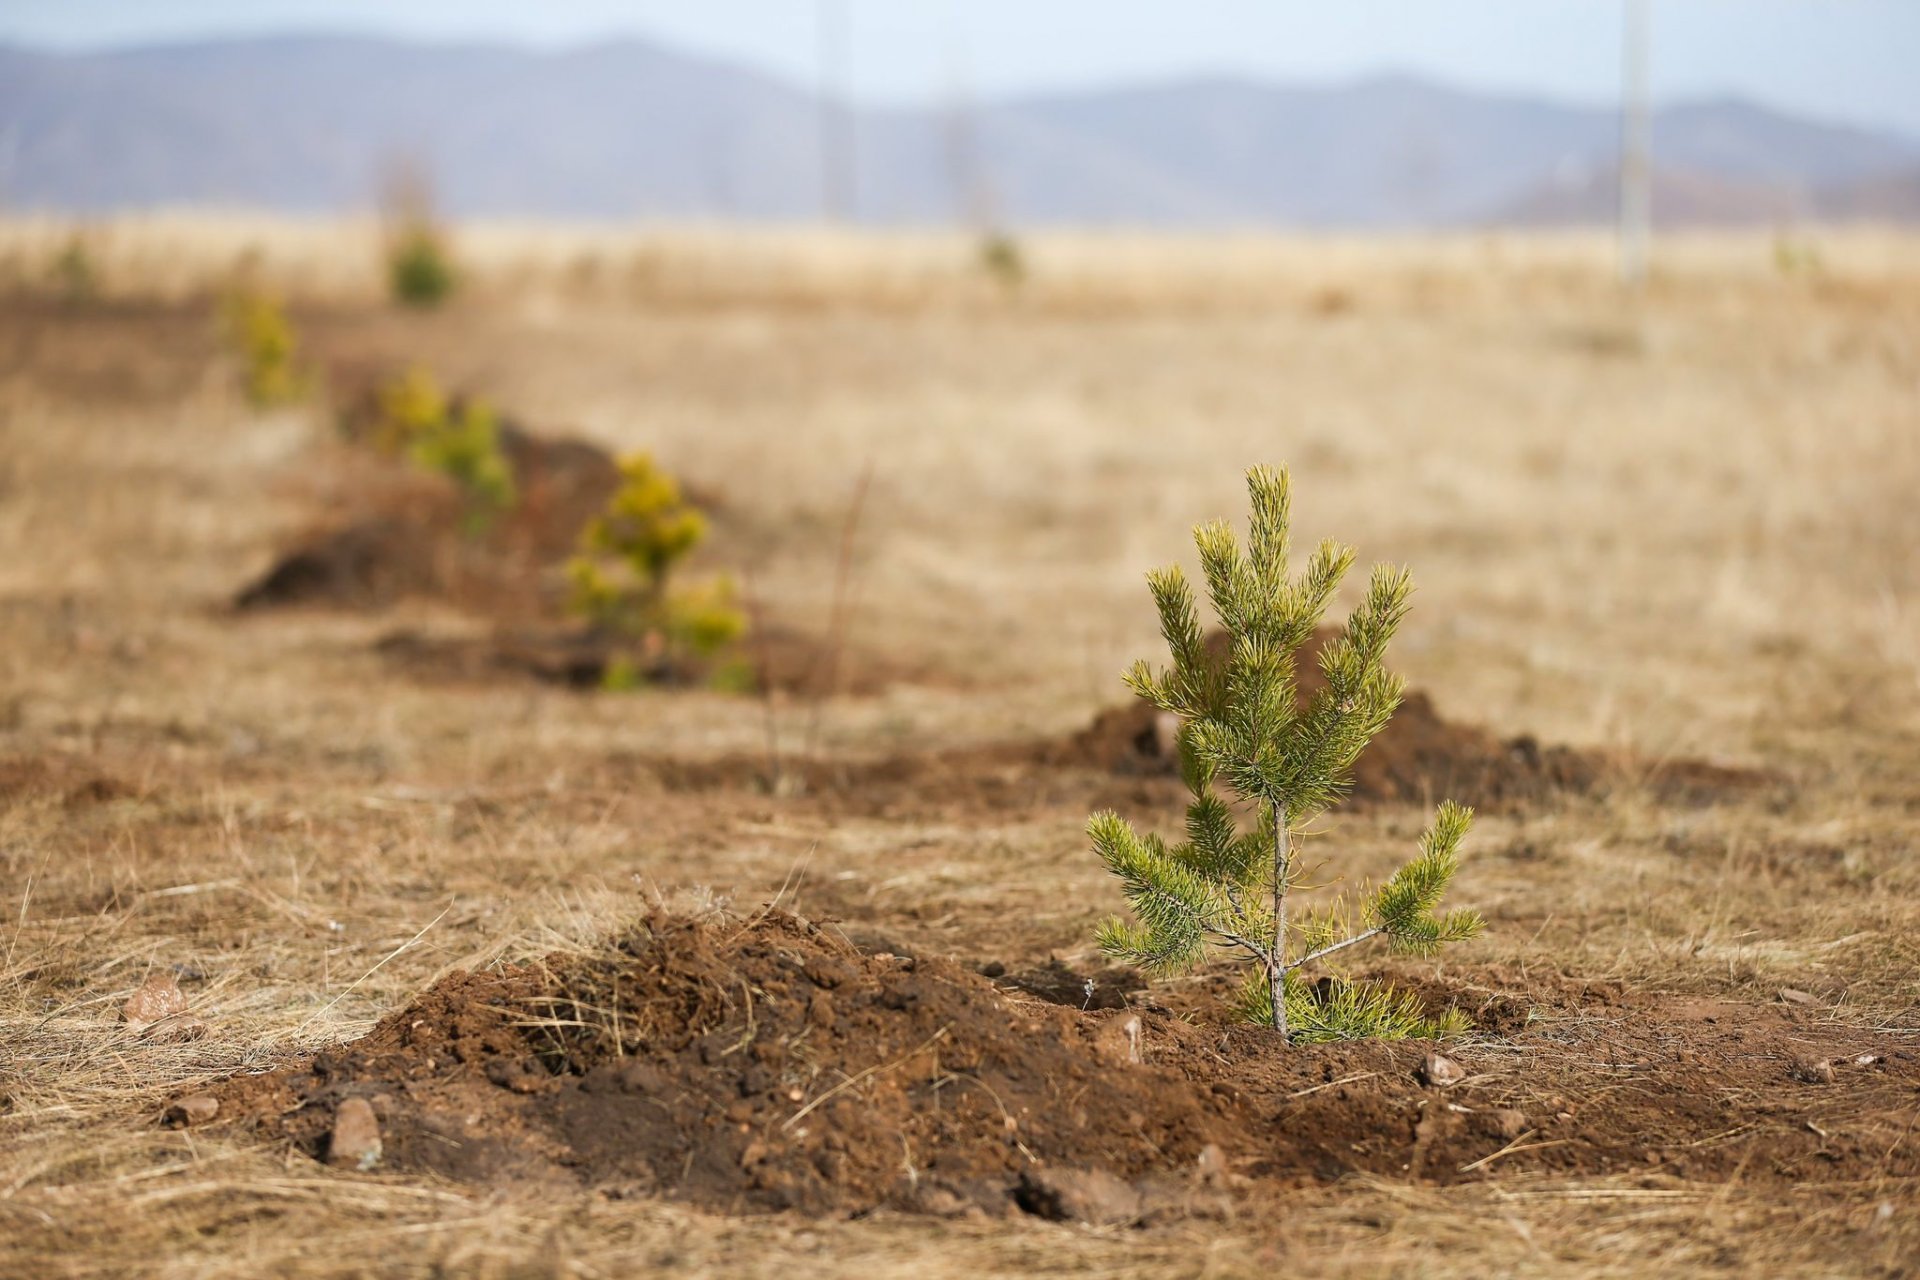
{"x":420,"y":269}
{"x":259,"y":332}
{"x":622,"y":576}
{"x":457,"y":439}
{"x":420,"y":266}
{"x":1245,"y":728}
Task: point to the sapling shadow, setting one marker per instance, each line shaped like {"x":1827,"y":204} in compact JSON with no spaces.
{"x":1245,"y":728}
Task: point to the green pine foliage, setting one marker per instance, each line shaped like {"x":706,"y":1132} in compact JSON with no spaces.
{"x":1246,"y":730}
{"x":73,"y":271}
{"x":465,"y":447}
{"x":1002,"y":260}
{"x":622,"y":576}
{"x":459,"y":439}
{"x":420,"y":270}
{"x":260,"y":335}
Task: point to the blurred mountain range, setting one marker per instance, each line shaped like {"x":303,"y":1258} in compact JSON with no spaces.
{"x":630,"y":129}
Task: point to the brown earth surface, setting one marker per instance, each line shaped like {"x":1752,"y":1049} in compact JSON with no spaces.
{"x":1677,"y":527}
{"x":778,"y":658}
{"x":767,"y":1064}
{"x":412,"y":541}
{"x":1420,"y":758}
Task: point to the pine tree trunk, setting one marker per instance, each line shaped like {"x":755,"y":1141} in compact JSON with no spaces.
{"x":1277,"y":958}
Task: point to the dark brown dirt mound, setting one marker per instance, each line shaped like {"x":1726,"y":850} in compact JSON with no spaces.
{"x":745,"y":1065}
{"x":768,"y":1064}
{"x":418,"y":543}
{"x":1421,"y":757}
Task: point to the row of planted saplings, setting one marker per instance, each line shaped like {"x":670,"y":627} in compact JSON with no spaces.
{"x":622,"y":577}
{"x":1246,"y":729}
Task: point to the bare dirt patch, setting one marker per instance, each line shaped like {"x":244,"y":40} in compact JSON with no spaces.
{"x":768,"y":1064}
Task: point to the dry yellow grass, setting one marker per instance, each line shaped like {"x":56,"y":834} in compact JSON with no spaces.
{"x":1683,"y":523}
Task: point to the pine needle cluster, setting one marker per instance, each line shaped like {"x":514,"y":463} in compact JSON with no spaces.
{"x":456,"y":439}
{"x":420,"y":271}
{"x":1246,"y":729}
{"x":622,"y":576}
{"x":73,"y":271}
{"x":258,"y":331}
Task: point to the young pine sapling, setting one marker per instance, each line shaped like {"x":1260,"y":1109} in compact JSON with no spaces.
{"x":622,"y":576}
{"x":459,"y":439}
{"x":257,"y":329}
{"x":1246,"y":727}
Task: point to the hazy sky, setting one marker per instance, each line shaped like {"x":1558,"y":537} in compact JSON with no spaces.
{"x":1855,"y":60}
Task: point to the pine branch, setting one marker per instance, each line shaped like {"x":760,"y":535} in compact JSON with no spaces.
{"x":1342,"y":945}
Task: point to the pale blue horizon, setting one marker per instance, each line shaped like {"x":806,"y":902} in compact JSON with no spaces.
{"x":1847,"y":61}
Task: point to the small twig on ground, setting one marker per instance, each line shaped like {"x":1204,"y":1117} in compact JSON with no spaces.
{"x":376,"y":968}
{"x":829,"y":673}
{"x":1511,"y":1148}
{"x":756,"y":635}
{"x":877,"y":1069}
{"x":1364,"y":1075}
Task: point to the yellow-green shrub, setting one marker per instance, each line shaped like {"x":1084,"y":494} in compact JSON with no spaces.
{"x":465,"y":447}
{"x":621,"y":577}
{"x":1002,"y":260}
{"x":73,"y":271}
{"x":420,"y":271}
{"x":258,"y":331}
{"x":460,"y":441}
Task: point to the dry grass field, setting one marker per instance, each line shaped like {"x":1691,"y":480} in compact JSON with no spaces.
{"x":1681,"y":526}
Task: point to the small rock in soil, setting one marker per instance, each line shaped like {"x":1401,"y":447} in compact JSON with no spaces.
{"x":355,"y":1141}
{"x":518,"y":1074}
{"x":944,"y":1201}
{"x":1812,"y":1070}
{"x":158,"y":997}
{"x":1509,"y":1123}
{"x":1120,"y":1040}
{"x":1440,"y":1071}
{"x":1092,"y":1196}
{"x":195,"y":1108}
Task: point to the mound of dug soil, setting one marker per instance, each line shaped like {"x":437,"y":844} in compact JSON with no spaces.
{"x":767,"y":1064}
{"x":1420,"y":757}
{"x":422,"y":547}
{"x":743,"y":1065}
